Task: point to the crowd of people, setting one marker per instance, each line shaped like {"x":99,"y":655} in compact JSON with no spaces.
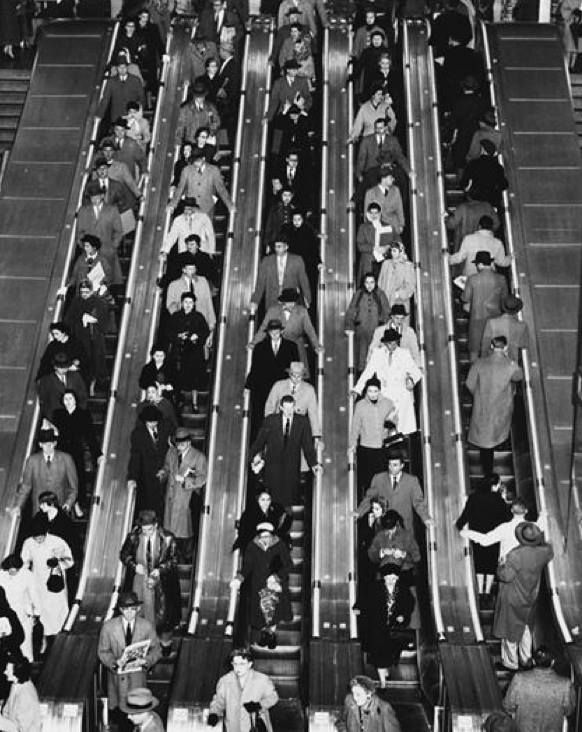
{"x":167,"y":470}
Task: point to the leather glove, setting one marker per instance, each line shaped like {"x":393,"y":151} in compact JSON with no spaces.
{"x":212,"y":720}
{"x":52,"y":562}
{"x":252,"y":707}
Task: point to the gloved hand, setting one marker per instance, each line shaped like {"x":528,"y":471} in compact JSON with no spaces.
{"x":212,"y":720}
{"x":252,"y":707}
{"x":52,"y":562}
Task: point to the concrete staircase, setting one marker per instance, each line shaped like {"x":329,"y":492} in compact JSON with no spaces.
{"x":13,"y":89}
{"x":576,"y":84}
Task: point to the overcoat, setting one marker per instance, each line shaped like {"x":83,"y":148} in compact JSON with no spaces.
{"x":228,"y":700}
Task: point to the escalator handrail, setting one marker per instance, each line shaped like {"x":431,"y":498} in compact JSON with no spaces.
{"x":424,"y":400}
{"x":317,"y":496}
{"x":120,"y":350}
{"x":462,"y":473}
{"x":213,"y":430}
{"x":60,"y":300}
{"x":540,"y":486}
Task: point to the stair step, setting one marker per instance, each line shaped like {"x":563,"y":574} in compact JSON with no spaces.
{"x":10,"y":109}
{"x":14,"y":85}
{"x":276,"y":666}
{"x":287,"y":651}
{"x":287,"y":686}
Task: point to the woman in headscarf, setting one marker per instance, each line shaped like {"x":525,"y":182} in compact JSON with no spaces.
{"x":397,"y":279}
{"x":367,"y":310}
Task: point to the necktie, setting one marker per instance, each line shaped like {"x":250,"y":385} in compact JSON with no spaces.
{"x":48,"y":462}
{"x":128,"y":634}
{"x":287,"y":430}
{"x":276,"y":348}
{"x":389,"y":358}
{"x":379,"y":141}
{"x":103,"y":186}
{"x":394,"y":482}
{"x":385,"y":192}
{"x":149,"y":554}
{"x":293,"y":389}
{"x":192,"y":286}
{"x":155,"y":435}
{"x":179,"y":459}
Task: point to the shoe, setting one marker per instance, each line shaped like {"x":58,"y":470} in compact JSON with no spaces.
{"x":272,"y":641}
{"x":78,"y":511}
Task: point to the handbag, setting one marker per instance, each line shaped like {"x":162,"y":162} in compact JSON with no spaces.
{"x":56,"y":581}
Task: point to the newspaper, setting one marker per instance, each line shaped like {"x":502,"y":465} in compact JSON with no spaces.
{"x":383,"y":237}
{"x":96,"y":275}
{"x":133,"y":657}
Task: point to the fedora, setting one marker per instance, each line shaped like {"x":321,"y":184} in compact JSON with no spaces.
{"x":139,"y":700}
{"x":529,"y":534}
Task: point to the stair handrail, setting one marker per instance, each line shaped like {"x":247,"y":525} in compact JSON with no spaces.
{"x":452,"y":349}
{"x":424,"y":401}
{"x":540,"y":485}
{"x":60,"y":299}
{"x":120,"y":350}
{"x":317,"y":496}
{"x":224,"y":300}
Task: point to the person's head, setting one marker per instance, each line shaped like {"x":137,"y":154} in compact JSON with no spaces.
{"x":488,"y":118}
{"x":529,"y":534}
{"x":373,"y":212}
{"x":198,"y":158}
{"x":152,"y":393}
{"x":499,"y":722}
{"x":241,"y":661}
{"x":488,"y":148}
{"x":95,"y":193}
{"x":294,"y":113}
{"x":511,"y":304}
{"x":483,"y":260}
{"x":387,"y":175}
{"x":147,"y":520}
{"x":39,"y":528}
{"x":378,"y":506}
{"x":201,"y":136}
{"x":188,"y":301}
{"x":101,"y":168}
{"x":296,"y":372}
{"x":376,"y":39}
{"x":61,"y":363}
{"x":47,"y":501}
{"x":134,"y":108}
{"x":190,"y":208}
{"x":192,"y":242}
{"x":372,"y":388}
{"x":369,"y":282}
{"x":211,"y":66}
{"x":158,"y":353}
{"x":362,"y":689}
{"x":291,"y":67}
{"x":264,"y":500}
{"x":129,"y":28}
{"x":543,"y":657}
{"x":59,"y":331}
{"x":397,"y":250}
{"x":376,"y":95}
{"x":499,"y":344}
{"x":138,"y":705}
{"x":385,"y":62}
{"x":225,"y":51}
{"x":151,"y":417}
{"x":280,"y":246}
{"x":286,"y":195}
{"x":274,"y":329}
{"x":295,"y":32}
{"x":389,"y":428}
{"x":12,"y":564}
{"x":108,"y":149}
{"x":398,"y":313}
{"x":391,"y":519}
{"x":297,"y":219}
{"x":486,"y":223}
{"x":379,"y":129}
{"x":287,"y":405}
{"x":120,"y":127}
{"x":288,"y":298}
{"x":391,"y":339}
{"x":18,"y":670}
{"x":122,"y":63}
{"x":519,"y":507}
{"x":182,"y":440}
{"x":85,"y":289}
{"x":292,"y":158}
{"x":47,"y":439}
{"x":490,"y":484}
{"x":186,"y":151}
{"x":218,"y":5}
{"x":395,"y":462}
{"x":143,"y":17}
{"x":128,"y":605}
{"x":390,"y":574}
{"x":370,"y":18}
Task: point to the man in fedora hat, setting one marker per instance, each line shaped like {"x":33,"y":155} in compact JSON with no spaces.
{"x":482,"y":298}
{"x":491,"y":381}
{"x":48,"y":470}
{"x":303,"y":393}
{"x":139,"y":706}
{"x":150,"y":440}
{"x":129,"y":151}
{"x":519,"y":584}
{"x":287,"y":90}
{"x":121,"y":89}
{"x":118,"y":170}
{"x":191,"y":222}
{"x":280,"y":271}
{"x":296,"y":323}
{"x":118,"y":633}
{"x":387,"y":195}
{"x":51,"y":387}
{"x":398,"y":374}
{"x":204,"y":182}
{"x":185,"y":470}
{"x":482,"y":240}
{"x":197,"y":112}
{"x":508,"y":325}
{"x":397,"y":321}
{"x":271,"y":358}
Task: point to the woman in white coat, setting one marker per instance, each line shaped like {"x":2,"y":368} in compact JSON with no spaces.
{"x":21,"y":711}
{"x":398,"y":375}
{"x":241,"y":695}
{"x":21,"y":593}
{"x":46,"y":554}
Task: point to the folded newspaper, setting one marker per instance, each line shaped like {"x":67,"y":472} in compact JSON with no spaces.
{"x":134,"y":657}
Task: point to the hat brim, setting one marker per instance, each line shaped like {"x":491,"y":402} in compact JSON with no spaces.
{"x":138,"y":710}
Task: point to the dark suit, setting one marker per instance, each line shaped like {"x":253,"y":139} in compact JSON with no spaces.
{"x":266,"y":369}
{"x":110,"y":650}
{"x":60,"y":478}
{"x":146,"y":458}
{"x":118,"y":93}
{"x":107,"y":226}
{"x":283,"y":92}
{"x":208,"y":29}
{"x":283,"y":458}
{"x":299,"y":182}
{"x":51,"y":389}
{"x":294,"y":278}
{"x":130,"y":153}
{"x":370,"y":153}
